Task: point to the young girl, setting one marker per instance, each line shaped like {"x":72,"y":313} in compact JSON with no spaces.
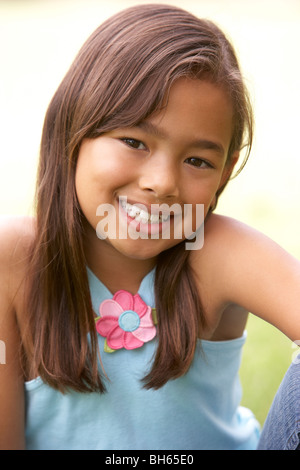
{"x":126,"y":338}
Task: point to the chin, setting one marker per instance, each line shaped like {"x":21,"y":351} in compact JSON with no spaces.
{"x":145,"y":249}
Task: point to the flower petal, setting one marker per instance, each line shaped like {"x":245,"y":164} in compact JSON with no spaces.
{"x":131,"y":342}
{"x":105,"y":324}
{"x":115,"y":338}
{"x":124,"y":299}
{"x":110,"y":308}
{"x":145,"y":334}
{"x":139,"y":305}
{"x":108,"y":324}
{"x":147,"y":319}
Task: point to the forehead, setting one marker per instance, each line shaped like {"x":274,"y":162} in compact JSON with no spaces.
{"x":194,"y":109}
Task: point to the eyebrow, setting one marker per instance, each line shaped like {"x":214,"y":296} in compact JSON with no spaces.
{"x":203,"y":144}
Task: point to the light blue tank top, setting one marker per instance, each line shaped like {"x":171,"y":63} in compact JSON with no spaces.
{"x":197,"y":411}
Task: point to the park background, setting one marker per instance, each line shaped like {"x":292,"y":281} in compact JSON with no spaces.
{"x":40,"y":38}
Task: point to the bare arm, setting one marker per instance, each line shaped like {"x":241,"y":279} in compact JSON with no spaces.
{"x":12,"y":409}
{"x":11,"y":385}
{"x":246,"y":268}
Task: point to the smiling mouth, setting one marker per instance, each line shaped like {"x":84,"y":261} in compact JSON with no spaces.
{"x":142,"y":215}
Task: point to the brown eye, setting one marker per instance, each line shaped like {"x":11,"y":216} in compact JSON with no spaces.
{"x":133,"y":143}
{"x":198,"y":162}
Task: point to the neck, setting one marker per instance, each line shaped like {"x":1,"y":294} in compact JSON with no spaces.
{"x":116,"y":270}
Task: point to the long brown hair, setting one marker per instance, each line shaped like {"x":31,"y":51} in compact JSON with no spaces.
{"x":121,"y":75}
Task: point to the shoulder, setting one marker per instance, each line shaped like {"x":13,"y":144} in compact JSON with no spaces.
{"x":219,"y":227}
{"x":240,"y":265}
{"x":228,"y":237}
{"x":232,"y":247}
{"x":225,"y":243}
{"x":224,"y":238}
{"x":15,"y":231}
{"x":17,"y":235}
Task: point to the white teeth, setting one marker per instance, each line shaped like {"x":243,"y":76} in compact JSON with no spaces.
{"x":142,"y":216}
{"x":132,"y":210}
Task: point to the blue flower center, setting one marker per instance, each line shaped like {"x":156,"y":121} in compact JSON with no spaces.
{"x":129,"y":320}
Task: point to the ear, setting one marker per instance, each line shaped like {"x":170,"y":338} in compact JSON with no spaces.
{"x":228,"y":169}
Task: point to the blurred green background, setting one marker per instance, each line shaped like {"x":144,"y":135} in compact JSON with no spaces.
{"x":39,"y":39}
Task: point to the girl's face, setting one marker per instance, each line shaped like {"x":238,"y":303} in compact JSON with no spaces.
{"x":175,"y":157}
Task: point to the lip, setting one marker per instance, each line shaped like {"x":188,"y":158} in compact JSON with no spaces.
{"x":150,"y":229}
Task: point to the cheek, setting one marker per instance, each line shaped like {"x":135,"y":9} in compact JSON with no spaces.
{"x":87,"y":186}
{"x":103,"y":164}
{"x":100,"y":175}
{"x":202,"y":198}
{"x":202,"y":192}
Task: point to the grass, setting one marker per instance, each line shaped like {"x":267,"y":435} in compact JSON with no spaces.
{"x":267,"y":355}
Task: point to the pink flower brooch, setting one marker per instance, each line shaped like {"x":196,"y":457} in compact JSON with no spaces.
{"x":126,"y":322}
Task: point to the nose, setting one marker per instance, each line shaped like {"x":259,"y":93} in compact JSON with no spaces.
{"x":160,"y":176}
